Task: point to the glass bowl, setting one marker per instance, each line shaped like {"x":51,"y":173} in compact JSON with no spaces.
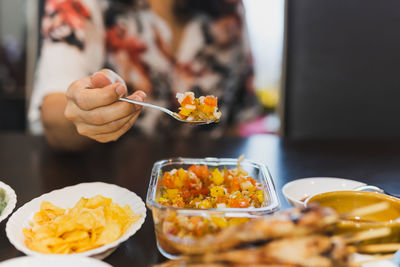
{"x":169,"y":244}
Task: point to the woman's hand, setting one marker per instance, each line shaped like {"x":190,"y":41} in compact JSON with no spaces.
{"x":93,"y":106}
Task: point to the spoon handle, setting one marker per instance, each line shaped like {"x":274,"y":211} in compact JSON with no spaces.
{"x":369,"y":188}
{"x":372,"y":188}
{"x":147,"y":105}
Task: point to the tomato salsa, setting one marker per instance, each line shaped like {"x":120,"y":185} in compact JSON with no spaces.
{"x":201,"y":187}
{"x":204,"y":108}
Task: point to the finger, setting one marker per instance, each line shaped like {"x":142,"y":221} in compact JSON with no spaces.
{"x":72,"y":112}
{"x":81,"y":83}
{"x":139,"y":93}
{"x":103,"y":138}
{"x":99,"y":80}
{"x":90,"y":130}
{"x":115,"y":111}
{"x":91,"y":99}
{"x":105,"y":77}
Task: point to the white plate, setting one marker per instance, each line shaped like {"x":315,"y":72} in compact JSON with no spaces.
{"x":11,"y":198}
{"x":51,"y":261}
{"x":356,"y":257}
{"x":67,"y":197}
{"x":296,"y":191}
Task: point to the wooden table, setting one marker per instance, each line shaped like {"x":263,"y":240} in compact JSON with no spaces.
{"x":29,"y":166}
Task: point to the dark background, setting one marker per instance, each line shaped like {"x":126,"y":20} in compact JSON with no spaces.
{"x":13,"y":39}
{"x":342,"y":69}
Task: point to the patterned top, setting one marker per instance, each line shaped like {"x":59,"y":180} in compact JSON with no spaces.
{"x":83,"y":36}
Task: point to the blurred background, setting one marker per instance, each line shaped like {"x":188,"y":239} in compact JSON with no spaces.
{"x":19,"y":44}
{"x":322,"y":69}
{"x":13,"y":64}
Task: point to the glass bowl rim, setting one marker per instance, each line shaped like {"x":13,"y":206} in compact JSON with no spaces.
{"x":273,"y":206}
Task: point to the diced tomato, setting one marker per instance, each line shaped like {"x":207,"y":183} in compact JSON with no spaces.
{"x":221,"y":199}
{"x":185,"y":194}
{"x":204,"y":191}
{"x":201,"y":191}
{"x":194,"y":169}
{"x":180,"y":203}
{"x":207,"y":182}
{"x":188,"y":184}
{"x":227,"y":173}
{"x":168,"y":180}
{"x":188,"y":100}
{"x":252,"y":181}
{"x":201,"y":171}
{"x":204,"y":172}
{"x":239,"y":203}
{"x":194,"y":192}
{"x":211,"y":101}
{"x":235,"y":184}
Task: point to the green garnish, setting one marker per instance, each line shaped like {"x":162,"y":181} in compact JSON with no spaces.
{"x":3,"y":200}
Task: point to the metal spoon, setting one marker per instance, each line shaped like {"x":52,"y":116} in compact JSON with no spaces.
{"x":375,"y":189}
{"x":372,"y":188}
{"x":169,"y":112}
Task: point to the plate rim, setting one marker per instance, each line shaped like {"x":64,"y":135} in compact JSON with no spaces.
{"x":11,"y":197}
{"x":92,"y":252}
{"x":26,"y":258}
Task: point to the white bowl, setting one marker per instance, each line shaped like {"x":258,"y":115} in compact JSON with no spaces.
{"x":298,"y":190}
{"x":52,"y":260}
{"x":67,"y":197}
{"x":11,"y":199}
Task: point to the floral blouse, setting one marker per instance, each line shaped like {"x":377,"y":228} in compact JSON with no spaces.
{"x":81,"y":37}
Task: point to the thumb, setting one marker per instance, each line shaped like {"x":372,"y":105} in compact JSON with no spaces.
{"x":104,"y":78}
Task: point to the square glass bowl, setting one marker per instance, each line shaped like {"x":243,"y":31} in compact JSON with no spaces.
{"x":172,"y":245}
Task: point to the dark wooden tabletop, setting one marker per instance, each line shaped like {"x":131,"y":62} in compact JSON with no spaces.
{"x":31,"y":168}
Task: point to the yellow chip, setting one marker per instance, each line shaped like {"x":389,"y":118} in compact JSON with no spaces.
{"x":98,"y":201}
{"x":89,"y":224}
{"x":111,"y":232}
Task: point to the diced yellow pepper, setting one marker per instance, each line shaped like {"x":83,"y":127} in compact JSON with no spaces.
{"x":217,"y":191}
{"x":182,"y":174}
{"x":172,"y":193}
{"x":179,"y":178}
{"x":185,"y":111}
{"x":251,"y":189}
{"x":260,"y":195}
{"x":178,"y":182}
{"x":220,"y":222}
{"x":237,"y":194}
{"x":176,"y":199}
{"x":217,"y":177}
{"x":205,"y":204}
{"x":162,"y":200}
{"x":208,"y":109}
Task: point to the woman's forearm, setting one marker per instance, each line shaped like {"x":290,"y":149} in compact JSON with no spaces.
{"x":60,"y":133}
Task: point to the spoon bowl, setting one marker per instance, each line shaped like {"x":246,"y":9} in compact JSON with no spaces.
{"x":169,"y":112}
